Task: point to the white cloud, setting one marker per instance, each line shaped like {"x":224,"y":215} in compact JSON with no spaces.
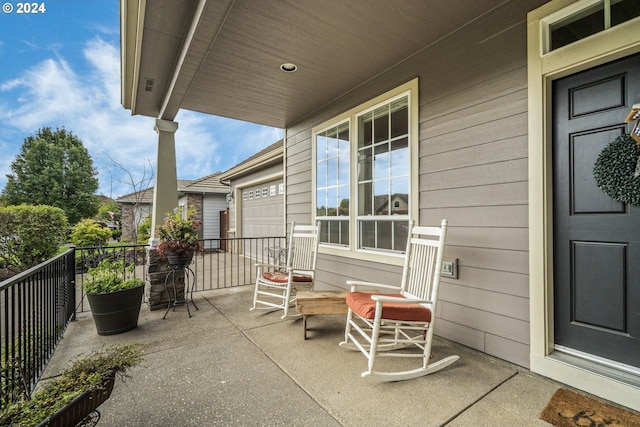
{"x":51,"y":93}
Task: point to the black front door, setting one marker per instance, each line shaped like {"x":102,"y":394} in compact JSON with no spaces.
{"x":596,"y":239}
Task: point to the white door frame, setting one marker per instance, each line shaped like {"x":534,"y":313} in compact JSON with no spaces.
{"x":617,"y":42}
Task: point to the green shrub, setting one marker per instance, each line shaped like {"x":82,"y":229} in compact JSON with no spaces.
{"x":144,"y":230}
{"x":89,"y":233}
{"x":111,"y":276}
{"x":108,"y":211}
{"x":30,"y":235}
{"x":117,"y":233}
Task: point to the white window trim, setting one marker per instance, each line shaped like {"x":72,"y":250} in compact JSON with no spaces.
{"x":411,"y":90}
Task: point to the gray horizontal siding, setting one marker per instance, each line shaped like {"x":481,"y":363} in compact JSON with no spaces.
{"x":472,"y":171}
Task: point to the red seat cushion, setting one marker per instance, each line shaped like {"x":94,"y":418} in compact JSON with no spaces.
{"x":362,"y":304}
{"x":282,"y":277}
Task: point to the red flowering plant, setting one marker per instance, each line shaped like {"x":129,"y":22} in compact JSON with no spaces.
{"x":178,"y":233}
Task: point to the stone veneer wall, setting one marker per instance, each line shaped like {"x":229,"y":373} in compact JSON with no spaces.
{"x":127,"y":221}
{"x":157,"y":296}
{"x":158,"y":268}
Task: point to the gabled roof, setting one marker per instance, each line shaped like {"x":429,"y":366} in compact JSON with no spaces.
{"x":142,"y":196}
{"x":146,"y":196}
{"x":206,"y":184}
{"x":265,"y":157}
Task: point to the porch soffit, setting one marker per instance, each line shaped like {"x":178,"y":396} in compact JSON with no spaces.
{"x":222,"y":57}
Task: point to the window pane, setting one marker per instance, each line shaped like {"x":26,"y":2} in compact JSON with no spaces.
{"x":324,"y":231}
{"x":400,"y":196}
{"x":367,"y":234}
{"x":332,"y":171}
{"x":400,"y":157}
{"x":365,"y":193}
{"x":334,"y":232}
{"x":624,"y":10}
{"x":576,"y":27}
{"x":399,"y":118}
{"x":381,"y":197}
{"x":321,"y":147}
{"x":343,"y":197}
{"x":321,"y":174}
{"x":343,"y":138}
{"x":381,"y":124}
{"x":344,"y":233}
{"x":321,"y":201}
{"x":332,"y":201}
{"x":365,"y":129}
{"x":365,"y":164}
{"x":384,"y":235}
{"x":343,"y":168}
{"x":400,"y":235}
{"x":383,"y":232}
{"x":332,"y":142}
{"x":381,"y":161}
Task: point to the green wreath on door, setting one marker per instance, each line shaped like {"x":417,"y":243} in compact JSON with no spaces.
{"x":617,"y":169}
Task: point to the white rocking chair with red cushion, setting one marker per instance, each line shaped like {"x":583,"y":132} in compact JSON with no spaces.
{"x":396,"y":323}
{"x":276,"y":285}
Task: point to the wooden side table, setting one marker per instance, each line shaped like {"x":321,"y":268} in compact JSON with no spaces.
{"x":320,"y":302}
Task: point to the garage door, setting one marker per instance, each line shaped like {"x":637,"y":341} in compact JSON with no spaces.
{"x":262,"y":208}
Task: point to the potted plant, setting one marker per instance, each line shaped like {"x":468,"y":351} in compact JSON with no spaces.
{"x":75,"y":394}
{"x":178,"y":237}
{"x":115,"y":296}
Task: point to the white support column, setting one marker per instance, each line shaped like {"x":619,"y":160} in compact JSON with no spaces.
{"x":165,"y":192}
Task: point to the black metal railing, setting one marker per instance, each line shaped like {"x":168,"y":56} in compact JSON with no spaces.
{"x":222,"y":263}
{"x":230,"y":262}
{"x":35,"y":308}
{"x":89,"y":257}
{"x":37,"y":305}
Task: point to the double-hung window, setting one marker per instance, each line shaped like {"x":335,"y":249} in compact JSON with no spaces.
{"x":332,"y":183}
{"x":365,"y":165}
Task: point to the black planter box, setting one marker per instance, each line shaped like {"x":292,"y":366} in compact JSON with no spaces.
{"x":80,"y":407}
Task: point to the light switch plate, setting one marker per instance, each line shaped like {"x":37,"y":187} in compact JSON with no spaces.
{"x":450,"y":268}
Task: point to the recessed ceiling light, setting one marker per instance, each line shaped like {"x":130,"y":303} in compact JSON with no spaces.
{"x":288,"y":67}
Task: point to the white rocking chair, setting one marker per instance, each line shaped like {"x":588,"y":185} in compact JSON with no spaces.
{"x":383,"y":324}
{"x":276,"y":285}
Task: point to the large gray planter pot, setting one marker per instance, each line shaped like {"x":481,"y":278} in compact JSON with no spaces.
{"x":116,"y":312}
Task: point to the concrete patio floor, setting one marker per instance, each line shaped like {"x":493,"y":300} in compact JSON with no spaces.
{"x":229,"y":366}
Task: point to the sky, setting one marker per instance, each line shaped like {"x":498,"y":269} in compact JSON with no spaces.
{"x":60,"y":68}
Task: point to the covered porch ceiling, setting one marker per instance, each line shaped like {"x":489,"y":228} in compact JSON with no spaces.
{"x":223,"y":57}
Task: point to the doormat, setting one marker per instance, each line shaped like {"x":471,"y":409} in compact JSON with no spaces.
{"x":569,"y":409}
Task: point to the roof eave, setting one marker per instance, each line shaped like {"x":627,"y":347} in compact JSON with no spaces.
{"x":252,"y":164}
{"x":132,"y":14}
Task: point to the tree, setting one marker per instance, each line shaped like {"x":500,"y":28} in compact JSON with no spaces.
{"x":133,"y":216}
{"x":29,"y":235}
{"x":55,"y":169}
{"x":108,"y":211}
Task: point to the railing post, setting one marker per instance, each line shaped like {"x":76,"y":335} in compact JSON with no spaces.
{"x":71,"y":284}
